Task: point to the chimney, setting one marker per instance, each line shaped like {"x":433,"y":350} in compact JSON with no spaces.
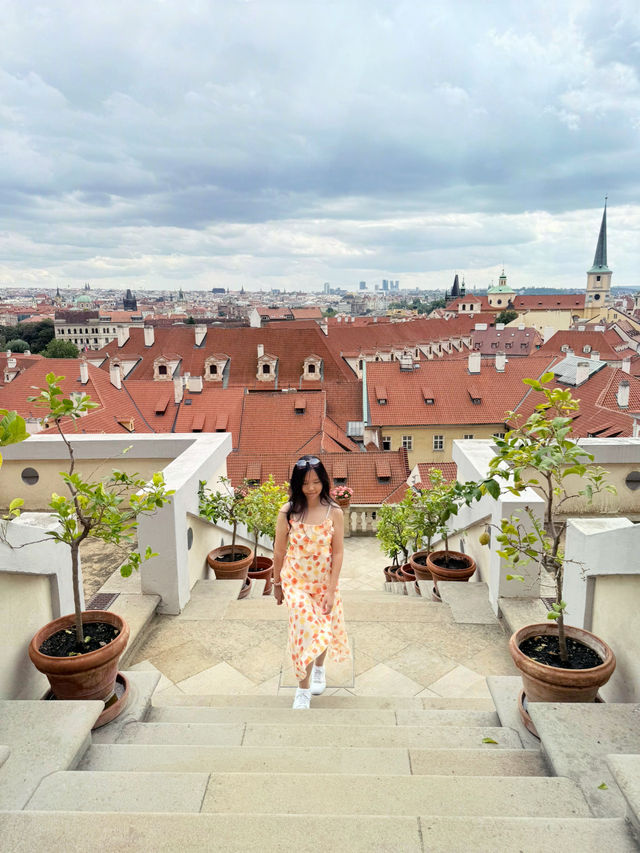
{"x":499,"y":327}
{"x":581,"y":328}
{"x":406,"y":361}
{"x":260,"y":350}
{"x":324,"y":325}
{"x":547,"y":332}
{"x":623,"y":394}
{"x":195,"y":384}
{"x":84,"y":371}
{"x":626,"y":364}
{"x":11,"y":362}
{"x":481,"y":327}
{"x":595,"y":355}
{"x":123,"y":335}
{"x":149,"y":336}
{"x":636,"y":427}
{"x":200,"y":333}
{"x":582,"y":372}
{"x":177,"y":389}
{"x":114,"y":375}
{"x":521,"y":327}
{"x":501,"y":360}
{"x":474,"y":362}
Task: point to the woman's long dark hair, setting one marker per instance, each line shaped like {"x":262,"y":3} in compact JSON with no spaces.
{"x":298,"y":499}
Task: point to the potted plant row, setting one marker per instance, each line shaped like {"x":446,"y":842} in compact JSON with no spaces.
{"x":558,"y":662}
{"x":79,"y":652}
{"x":257,"y":507}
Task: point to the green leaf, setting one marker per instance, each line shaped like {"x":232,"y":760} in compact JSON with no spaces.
{"x":493,"y":488}
{"x":488,"y":740}
{"x":603,"y":786}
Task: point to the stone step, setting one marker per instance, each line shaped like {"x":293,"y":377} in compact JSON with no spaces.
{"x":357,"y":609}
{"x":42,"y":737}
{"x":324,"y":716}
{"x":525,"y":834}
{"x":313,"y":759}
{"x":308,"y":793}
{"x":411,"y":737}
{"x":307,"y":734}
{"x":343,"y":700}
{"x":89,"y":791}
{"x":246,"y":759}
{"x":24,"y":832}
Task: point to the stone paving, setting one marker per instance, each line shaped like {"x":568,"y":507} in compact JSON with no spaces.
{"x":402,"y":645}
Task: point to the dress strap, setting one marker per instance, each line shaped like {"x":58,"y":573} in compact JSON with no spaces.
{"x":328,"y":511}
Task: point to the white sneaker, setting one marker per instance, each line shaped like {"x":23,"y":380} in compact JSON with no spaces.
{"x":318,"y":680}
{"x":302,"y":698}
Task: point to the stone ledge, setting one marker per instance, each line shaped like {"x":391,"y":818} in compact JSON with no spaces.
{"x":504,"y":691}
{"x":469,"y":602}
{"x":43,"y":737}
{"x":142,"y":685}
{"x":626,"y":771}
{"x":518,"y":612}
{"x":138,"y":612}
{"x":577,"y":738}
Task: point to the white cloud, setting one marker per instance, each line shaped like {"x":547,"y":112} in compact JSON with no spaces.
{"x":294,"y":142}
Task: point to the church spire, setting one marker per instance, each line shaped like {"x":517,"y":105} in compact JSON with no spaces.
{"x":455,"y":290}
{"x":600,"y":257}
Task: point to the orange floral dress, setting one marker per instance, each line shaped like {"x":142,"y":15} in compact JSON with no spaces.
{"x":305,"y":576}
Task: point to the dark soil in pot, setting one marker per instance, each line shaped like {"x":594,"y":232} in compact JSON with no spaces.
{"x":231,"y":558}
{"x":420,"y":558}
{"x":62,"y":644}
{"x":449,"y":562}
{"x":546,"y":650}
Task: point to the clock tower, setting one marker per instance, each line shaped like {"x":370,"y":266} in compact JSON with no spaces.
{"x":598,"y":296}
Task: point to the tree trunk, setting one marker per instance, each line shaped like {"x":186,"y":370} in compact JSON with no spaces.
{"x":75,"y":550}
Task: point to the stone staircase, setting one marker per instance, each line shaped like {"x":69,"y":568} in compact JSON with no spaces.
{"x":246,"y":772}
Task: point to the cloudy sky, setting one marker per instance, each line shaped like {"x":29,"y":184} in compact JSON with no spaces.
{"x":284,"y":143}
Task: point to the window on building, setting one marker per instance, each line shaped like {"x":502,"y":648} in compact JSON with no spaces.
{"x":438,"y":442}
{"x":162,"y":369}
{"x":360,"y":363}
{"x":597,"y":278}
{"x":213,"y":369}
{"x":386,"y":442}
{"x":468,"y":435}
{"x":462,"y":307}
{"x":266,"y":368}
{"x":95,"y":340}
{"x":311,"y":368}
{"x":498,"y":435}
{"x":407,"y":442}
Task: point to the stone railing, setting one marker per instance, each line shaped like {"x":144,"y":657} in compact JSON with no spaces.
{"x":361,"y":519}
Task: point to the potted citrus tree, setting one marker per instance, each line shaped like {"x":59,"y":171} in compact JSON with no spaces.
{"x":79,"y":652}
{"x":444,"y":501}
{"x":397,"y":533}
{"x":262,"y":505}
{"x":558,"y":662}
{"x":426,"y":520}
{"x":229,"y":562}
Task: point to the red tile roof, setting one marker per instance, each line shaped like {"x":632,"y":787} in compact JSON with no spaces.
{"x":449,"y":471}
{"x":602,"y":342}
{"x":511,"y":340}
{"x":598,"y":414}
{"x":453,"y":389}
{"x":291,"y":345}
{"x":270,"y":421}
{"x":361,"y":473}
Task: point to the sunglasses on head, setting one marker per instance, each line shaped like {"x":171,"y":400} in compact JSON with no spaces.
{"x":311,"y":462}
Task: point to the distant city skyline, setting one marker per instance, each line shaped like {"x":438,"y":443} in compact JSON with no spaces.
{"x":282,"y":145}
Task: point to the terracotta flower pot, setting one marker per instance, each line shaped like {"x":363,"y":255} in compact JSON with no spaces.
{"x":543,"y":683}
{"x":407,"y":573}
{"x":420,"y":570}
{"x":343,"y":502}
{"x":441,"y":573}
{"x":387,"y":574}
{"x":225,"y":570}
{"x":88,"y":676}
{"x":395,"y":574}
{"x":246,"y":589}
{"x":263,"y":570}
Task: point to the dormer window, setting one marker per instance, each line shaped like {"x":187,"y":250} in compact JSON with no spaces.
{"x":311,"y":368}
{"x":266,"y":368}
{"x":586,"y":348}
{"x":564,"y":348}
{"x":299,"y":405}
{"x":213,"y":370}
{"x":162,"y":369}
{"x":381,"y":395}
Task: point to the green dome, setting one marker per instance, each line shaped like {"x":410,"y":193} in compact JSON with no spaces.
{"x":83,"y":298}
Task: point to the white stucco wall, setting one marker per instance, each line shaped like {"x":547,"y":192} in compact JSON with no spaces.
{"x":616,"y":619}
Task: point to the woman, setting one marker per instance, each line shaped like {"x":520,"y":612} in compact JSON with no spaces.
{"x":306,"y":567}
